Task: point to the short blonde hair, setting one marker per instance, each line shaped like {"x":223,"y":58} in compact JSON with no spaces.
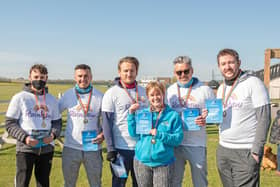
{"x":156,"y":86}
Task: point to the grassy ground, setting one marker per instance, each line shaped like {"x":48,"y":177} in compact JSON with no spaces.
{"x":7,"y":172}
{"x":7,"y":153}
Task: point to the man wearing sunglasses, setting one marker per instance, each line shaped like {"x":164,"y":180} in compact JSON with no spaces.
{"x":187,"y":96}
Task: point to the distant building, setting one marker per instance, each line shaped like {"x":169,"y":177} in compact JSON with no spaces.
{"x":145,"y":80}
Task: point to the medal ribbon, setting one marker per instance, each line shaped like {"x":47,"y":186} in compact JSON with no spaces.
{"x":126,"y":91}
{"x":187,"y":96}
{"x":226,"y":97}
{"x":86,"y":108}
{"x":43,"y":105}
{"x":156,"y":124}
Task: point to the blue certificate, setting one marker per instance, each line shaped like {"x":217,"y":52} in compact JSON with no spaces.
{"x":87,"y":137}
{"x":215,"y":110}
{"x":189,"y":116}
{"x":143,"y":122}
{"x":40,"y":135}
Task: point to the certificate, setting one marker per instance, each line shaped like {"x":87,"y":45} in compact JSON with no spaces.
{"x":39,"y":135}
{"x":189,"y":116}
{"x":87,"y":137}
{"x":143,"y":122}
{"x":215,"y":110}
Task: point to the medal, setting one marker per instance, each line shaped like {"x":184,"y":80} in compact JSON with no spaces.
{"x":224,"y":113}
{"x":44,"y":124}
{"x":153,"y":141}
{"x":86,"y":107}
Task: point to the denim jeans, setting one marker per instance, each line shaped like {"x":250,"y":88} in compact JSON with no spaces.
{"x":196,"y":156}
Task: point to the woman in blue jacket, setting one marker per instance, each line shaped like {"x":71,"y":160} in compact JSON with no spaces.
{"x":154,"y":151}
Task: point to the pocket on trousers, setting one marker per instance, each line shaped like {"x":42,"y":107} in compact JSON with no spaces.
{"x":253,"y":166}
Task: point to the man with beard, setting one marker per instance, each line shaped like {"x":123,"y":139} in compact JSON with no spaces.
{"x":246,"y":120}
{"x":34,"y":121}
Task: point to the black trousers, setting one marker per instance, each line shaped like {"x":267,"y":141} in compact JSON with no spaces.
{"x":25,"y":163}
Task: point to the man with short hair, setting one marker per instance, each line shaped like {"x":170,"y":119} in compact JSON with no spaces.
{"x":33,"y":119}
{"x":115,"y":105}
{"x":83,"y":135}
{"x":243,"y":132}
{"x":188,"y":95}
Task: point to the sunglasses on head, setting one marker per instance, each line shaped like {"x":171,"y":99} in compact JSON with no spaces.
{"x":186,"y":72}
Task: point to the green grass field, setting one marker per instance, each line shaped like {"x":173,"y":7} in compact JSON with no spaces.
{"x":7,"y":153}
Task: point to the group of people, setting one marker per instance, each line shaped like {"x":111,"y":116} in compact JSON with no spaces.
{"x":156,"y":157}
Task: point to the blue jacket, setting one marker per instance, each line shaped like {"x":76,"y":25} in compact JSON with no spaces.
{"x":169,"y":134}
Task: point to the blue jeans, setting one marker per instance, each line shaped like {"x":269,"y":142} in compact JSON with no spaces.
{"x":128,"y":156}
{"x":278,"y":157}
{"x":198,"y":163}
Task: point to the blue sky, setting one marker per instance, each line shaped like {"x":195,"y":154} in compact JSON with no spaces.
{"x":63,"y":33}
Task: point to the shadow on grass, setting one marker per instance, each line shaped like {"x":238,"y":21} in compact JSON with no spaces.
{"x":57,"y":154}
{"x":213,"y":129}
{"x":7,"y":147}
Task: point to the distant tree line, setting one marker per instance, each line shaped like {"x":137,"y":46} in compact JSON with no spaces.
{"x":58,"y":81}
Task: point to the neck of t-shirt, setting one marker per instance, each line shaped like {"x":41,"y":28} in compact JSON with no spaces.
{"x":231,"y":82}
{"x":129,"y":86}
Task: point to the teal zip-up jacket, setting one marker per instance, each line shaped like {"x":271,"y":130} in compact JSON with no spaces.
{"x":169,"y":134}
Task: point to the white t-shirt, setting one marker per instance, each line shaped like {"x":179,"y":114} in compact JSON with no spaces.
{"x":239,"y":125}
{"x":117,"y":101}
{"x":198,"y":95}
{"x":75,"y":116}
{"x":23,"y":107}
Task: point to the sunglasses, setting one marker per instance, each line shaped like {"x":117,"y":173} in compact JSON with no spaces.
{"x":186,"y":72}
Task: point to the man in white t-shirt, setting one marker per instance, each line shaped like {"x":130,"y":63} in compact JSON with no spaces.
{"x":115,"y":105}
{"x":189,"y":94}
{"x":34,"y":121}
{"x":83,"y":135}
{"x":243,"y":132}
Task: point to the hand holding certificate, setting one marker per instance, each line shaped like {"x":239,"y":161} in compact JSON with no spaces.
{"x":189,"y":116}
{"x":87,"y":138}
{"x":40,"y":135}
{"x":215,"y":110}
{"x":143,"y":122}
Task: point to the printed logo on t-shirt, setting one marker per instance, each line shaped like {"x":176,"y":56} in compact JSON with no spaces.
{"x":79,"y":108}
{"x":42,"y":107}
{"x":174,"y":102}
{"x":78,"y":112}
{"x":234,"y":102}
{"x":38,"y":112}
